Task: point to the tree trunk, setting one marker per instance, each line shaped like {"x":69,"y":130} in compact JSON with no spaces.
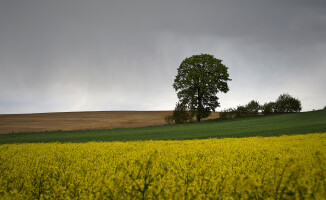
{"x":198,"y":118}
{"x":199,"y":107}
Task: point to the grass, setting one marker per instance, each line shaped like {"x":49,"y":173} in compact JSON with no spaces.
{"x":274,"y":125}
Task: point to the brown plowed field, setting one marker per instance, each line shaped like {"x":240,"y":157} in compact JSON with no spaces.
{"x":15,"y":123}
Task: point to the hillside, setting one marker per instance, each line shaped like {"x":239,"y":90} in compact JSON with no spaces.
{"x":65,"y":121}
{"x":296,"y":123}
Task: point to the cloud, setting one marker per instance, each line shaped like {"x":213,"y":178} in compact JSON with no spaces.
{"x":117,"y":55}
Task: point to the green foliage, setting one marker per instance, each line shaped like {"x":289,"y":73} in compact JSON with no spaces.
{"x":169,"y":119}
{"x":181,"y":114}
{"x":253,"y":107}
{"x":198,"y":81}
{"x":295,"y":123}
{"x":268,"y":108}
{"x":241,"y":111}
{"x":285,"y":103}
{"x":227,"y":113}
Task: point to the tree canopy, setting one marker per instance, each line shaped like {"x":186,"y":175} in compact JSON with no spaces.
{"x":199,"y":79}
{"x":285,"y":103}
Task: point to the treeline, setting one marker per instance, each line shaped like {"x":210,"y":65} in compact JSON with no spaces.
{"x":285,"y":103}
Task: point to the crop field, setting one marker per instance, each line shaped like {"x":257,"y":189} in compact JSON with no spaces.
{"x":161,"y":162}
{"x":15,"y":123}
{"x":67,"y":121}
{"x":296,"y":123}
{"x":284,"y":167}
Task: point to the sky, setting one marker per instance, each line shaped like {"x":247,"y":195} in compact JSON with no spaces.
{"x":101,"y":55}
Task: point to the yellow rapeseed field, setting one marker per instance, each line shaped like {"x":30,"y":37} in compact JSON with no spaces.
{"x":286,"y":167}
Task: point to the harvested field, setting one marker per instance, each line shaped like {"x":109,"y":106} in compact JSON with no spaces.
{"x":15,"y":123}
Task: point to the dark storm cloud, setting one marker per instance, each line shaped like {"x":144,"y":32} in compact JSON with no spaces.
{"x":103,"y":55}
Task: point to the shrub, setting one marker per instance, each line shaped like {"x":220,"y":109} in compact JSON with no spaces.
{"x":253,"y":107}
{"x":181,"y":114}
{"x":169,"y":119}
{"x":268,"y":108}
{"x":241,"y":111}
{"x":285,"y":103}
{"x":227,"y":113}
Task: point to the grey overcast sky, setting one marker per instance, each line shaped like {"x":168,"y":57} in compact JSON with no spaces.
{"x":87,"y":55}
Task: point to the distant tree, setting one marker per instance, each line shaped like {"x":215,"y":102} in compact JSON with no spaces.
{"x":253,"y":107}
{"x":285,"y":103}
{"x":325,"y":108}
{"x":268,"y":108}
{"x":241,"y":111}
{"x":199,"y":79}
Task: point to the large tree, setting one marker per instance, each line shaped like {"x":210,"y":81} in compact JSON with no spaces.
{"x":198,"y":81}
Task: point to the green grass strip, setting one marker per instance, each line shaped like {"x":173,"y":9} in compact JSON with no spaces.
{"x":273,"y":125}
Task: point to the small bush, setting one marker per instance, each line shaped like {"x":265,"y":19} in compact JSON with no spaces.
{"x":181,"y":114}
{"x":268,"y":108}
{"x":285,"y":103}
{"x":241,"y":111}
{"x":169,"y":119}
{"x":227,"y":113}
{"x":252,"y":108}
